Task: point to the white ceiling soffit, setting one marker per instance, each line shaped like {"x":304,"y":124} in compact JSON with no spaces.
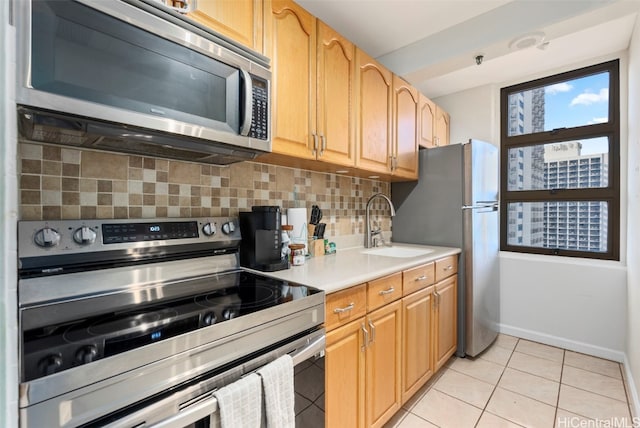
{"x":382,"y":26}
{"x":522,"y":65}
{"x":432,"y":43}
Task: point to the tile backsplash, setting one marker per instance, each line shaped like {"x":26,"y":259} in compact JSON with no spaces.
{"x":66,"y":183}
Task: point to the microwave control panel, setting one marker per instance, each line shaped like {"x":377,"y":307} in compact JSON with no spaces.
{"x":260,"y":115}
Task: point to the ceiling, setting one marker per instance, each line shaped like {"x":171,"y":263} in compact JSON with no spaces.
{"x":434,"y":43}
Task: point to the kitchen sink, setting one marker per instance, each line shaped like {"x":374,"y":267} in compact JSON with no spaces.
{"x":396,"y":251}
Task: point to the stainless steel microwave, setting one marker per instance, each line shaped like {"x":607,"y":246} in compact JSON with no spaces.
{"x":134,"y":76}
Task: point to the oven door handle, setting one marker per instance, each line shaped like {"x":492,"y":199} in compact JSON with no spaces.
{"x":190,"y":414}
{"x":313,"y":347}
{"x":207,"y":404}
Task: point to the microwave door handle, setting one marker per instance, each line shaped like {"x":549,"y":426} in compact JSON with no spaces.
{"x":248,"y":103}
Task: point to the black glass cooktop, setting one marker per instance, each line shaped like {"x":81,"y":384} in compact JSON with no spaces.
{"x":207,"y":301}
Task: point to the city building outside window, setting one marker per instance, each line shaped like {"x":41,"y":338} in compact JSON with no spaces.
{"x":560,"y":164}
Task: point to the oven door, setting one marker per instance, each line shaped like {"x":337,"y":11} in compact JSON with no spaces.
{"x":195,"y":406}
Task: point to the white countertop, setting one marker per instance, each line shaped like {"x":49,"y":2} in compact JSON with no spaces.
{"x":349,"y":267}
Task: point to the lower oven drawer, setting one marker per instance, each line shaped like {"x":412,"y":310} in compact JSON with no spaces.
{"x":195,"y":406}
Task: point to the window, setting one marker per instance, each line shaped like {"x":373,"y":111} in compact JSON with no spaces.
{"x":560,"y":184}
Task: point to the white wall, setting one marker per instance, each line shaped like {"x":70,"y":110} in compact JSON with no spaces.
{"x":475,"y":111}
{"x":633,"y":213}
{"x":8,"y":219}
{"x":573,"y":303}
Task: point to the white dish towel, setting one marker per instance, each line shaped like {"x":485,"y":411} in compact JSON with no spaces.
{"x":279,"y":395}
{"x":240,"y":403}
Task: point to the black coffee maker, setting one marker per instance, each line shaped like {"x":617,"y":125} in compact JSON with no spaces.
{"x":261,"y":243}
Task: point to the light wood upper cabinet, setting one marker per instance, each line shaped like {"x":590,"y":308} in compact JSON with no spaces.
{"x":426,"y":122}
{"x":345,"y":376}
{"x":240,"y":20}
{"x":291,"y":45}
{"x":445,"y":316}
{"x":383,"y":364}
{"x":312,"y":86}
{"x":336,"y":117}
{"x":374,"y":85}
{"x":433,"y":124}
{"x":404,"y":161}
{"x":442,"y":127}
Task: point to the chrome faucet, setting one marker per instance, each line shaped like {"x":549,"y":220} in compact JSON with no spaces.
{"x":369,"y":233}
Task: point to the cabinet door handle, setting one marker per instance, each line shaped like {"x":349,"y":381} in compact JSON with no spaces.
{"x":387,"y":291}
{"x":315,"y":144}
{"x":365,"y":340}
{"x":421,"y":278}
{"x":450,"y":267}
{"x":437,"y":298}
{"x":373,"y":332}
{"x":323,"y":144}
{"x":345,"y":309}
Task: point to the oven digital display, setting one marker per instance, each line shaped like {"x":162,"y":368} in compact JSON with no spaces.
{"x":119,"y":344}
{"x":116,"y":233}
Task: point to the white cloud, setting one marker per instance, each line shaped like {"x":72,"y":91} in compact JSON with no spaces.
{"x":598,"y":120}
{"x":588,"y":98}
{"x":558,"y":87}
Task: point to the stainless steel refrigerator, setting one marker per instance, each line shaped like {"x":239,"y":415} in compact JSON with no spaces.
{"x":455,"y":203}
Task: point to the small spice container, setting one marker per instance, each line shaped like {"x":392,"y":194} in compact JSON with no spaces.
{"x":296,"y":257}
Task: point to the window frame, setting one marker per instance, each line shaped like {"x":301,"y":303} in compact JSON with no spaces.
{"x":609,"y":194}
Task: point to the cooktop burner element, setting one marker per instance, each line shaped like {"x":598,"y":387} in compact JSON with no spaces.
{"x":117,"y":332}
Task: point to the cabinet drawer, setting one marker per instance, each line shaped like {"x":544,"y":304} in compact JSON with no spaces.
{"x":345,"y":306}
{"x":418,"y":278}
{"x":446,"y":267}
{"x":384,"y":290}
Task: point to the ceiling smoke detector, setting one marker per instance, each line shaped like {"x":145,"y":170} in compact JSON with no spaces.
{"x":528,"y":40}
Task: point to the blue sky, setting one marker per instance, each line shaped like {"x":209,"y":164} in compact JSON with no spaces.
{"x":579,"y":102}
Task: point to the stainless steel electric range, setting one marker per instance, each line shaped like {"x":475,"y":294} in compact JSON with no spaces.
{"x":134,"y":323}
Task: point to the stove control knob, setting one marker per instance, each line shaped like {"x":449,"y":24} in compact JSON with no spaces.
{"x":50,"y":364}
{"x":209,"y":229}
{"x":84,"y":236}
{"x":47,"y":237}
{"x":228,"y":227}
{"x":229,"y":314}
{"x":209,"y":318}
{"x":86,"y":354}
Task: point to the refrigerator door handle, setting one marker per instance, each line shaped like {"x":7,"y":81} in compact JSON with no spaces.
{"x":492,"y":205}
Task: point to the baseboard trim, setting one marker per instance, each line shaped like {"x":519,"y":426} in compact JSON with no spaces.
{"x":561,"y":342}
{"x":634,"y":400}
{"x":584,"y":348}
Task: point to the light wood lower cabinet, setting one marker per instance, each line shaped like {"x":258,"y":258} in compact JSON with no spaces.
{"x":383,"y":363}
{"x":377,"y":359}
{"x":362,"y":362}
{"x":417,"y":341}
{"x":345,"y":376}
{"x":445,"y":316}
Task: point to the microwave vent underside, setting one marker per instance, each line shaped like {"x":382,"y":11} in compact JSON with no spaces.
{"x":54,"y":128}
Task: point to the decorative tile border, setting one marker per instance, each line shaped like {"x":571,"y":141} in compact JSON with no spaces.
{"x":66,"y":183}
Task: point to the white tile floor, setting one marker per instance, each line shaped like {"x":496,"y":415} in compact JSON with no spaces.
{"x":519,"y":383}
